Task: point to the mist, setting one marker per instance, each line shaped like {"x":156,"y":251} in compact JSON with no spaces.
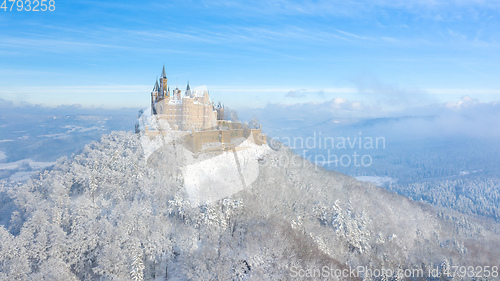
{"x":466,"y":118}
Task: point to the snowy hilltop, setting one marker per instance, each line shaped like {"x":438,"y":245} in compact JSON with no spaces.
{"x":217,"y":169}
{"x":122,"y":210}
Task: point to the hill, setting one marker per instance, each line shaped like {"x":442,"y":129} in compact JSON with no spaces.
{"x":112,"y":213}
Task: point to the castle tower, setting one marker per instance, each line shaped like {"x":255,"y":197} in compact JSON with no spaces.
{"x":177,"y":94}
{"x":155,"y":92}
{"x":188,"y":91}
{"x":220,"y":112}
{"x":154,"y":98}
{"x":163,"y":83}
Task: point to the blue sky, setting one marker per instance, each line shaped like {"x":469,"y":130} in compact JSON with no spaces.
{"x":249,"y":54}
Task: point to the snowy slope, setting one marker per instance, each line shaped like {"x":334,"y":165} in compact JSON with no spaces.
{"x":110,"y":211}
{"x":212,"y":179}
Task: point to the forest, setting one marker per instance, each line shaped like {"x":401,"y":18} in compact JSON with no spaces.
{"x":110,"y":213}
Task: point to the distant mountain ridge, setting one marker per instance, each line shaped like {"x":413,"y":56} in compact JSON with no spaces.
{"x":31,"y":133}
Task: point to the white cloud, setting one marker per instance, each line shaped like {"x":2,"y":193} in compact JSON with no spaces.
{"x":295,"y":93}
{"x":466,"y":118}
{"x":388,"y":94}
{"x":465,"y":102}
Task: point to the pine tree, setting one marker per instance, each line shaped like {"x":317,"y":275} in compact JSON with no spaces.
{"x":137,"y":271}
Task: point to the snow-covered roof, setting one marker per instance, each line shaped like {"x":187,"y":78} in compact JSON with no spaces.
{"x":199,"y":91}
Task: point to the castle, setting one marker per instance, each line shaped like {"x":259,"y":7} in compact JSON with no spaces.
{"x":202,"y":121}
{"x":191,"y":111}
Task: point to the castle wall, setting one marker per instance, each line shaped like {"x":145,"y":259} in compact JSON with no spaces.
{"x":258,"y":137}
{"x":229,"y":125}
{"x":226,"y":138}
{"x":188,"y":114}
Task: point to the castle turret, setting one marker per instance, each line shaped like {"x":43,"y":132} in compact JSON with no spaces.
{"x":154,"y":98}
{"x":177,"y":94}
{"x":155,"y":91}
{"x":220,"y":111}
{"x":188,"y":91}
{"x":164,"y":84}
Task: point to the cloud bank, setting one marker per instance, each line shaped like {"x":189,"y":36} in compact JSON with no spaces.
{"x":465,"y":118}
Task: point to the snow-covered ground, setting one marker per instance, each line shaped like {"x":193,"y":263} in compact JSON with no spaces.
{"x":221,"y":176}
{"x":23,"y":169}
{"x":55,"y":136}
{"x":71,"y":129}
{"x":33,"y":164}
{"x":211,"y":175}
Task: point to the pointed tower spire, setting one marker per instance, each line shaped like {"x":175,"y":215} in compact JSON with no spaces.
{"x":188,"y":90}
{"x":154,"y":97}
{"x":157,"y":87}
{"x":163,"y":84}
